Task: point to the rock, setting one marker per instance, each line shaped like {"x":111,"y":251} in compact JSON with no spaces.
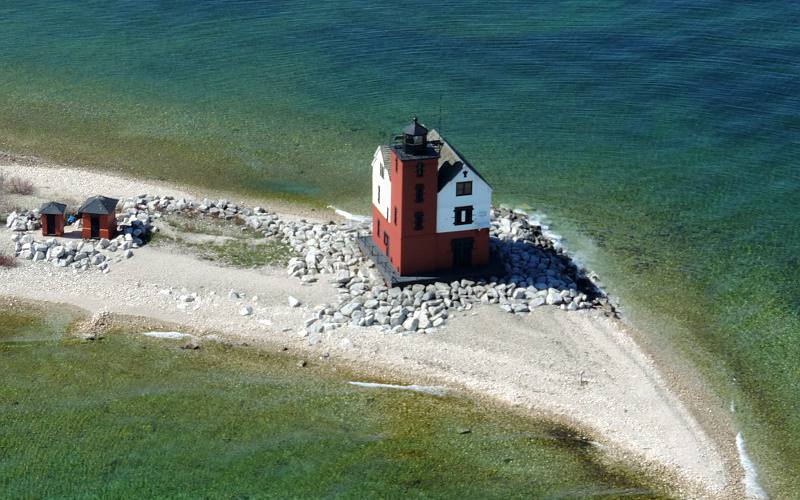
{"x":343,"y":277}
{"x":464,"y":430}
{"x":293,"y":302}
{"x":411,"y":324}
{"x":39,"y":255}
{"x":127,"y":253}
{"x":349,"y":308}
{"x":424,"y":322}
{"x":191,"y":345}
{"x":302,"y":363}
{"x":536,"y":302}
{"x":553,"y":297}
{"x":246,"y":311}
{"x":233,"y":295}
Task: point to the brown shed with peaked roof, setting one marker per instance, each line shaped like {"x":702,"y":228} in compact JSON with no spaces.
{"x":52,"y":218}
{"x":98,"y":215}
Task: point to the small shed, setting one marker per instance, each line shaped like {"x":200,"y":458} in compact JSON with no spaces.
{"x":52,"y":217}
{"x":98,"y":216}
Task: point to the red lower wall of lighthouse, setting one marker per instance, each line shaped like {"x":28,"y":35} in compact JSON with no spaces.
{"x":413,"y":255}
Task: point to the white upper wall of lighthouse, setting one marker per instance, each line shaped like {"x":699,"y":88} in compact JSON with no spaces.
{"x":480,"y":200}
{"x":381,"y":184}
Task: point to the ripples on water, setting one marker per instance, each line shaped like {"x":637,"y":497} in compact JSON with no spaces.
{"x":664,"y":135}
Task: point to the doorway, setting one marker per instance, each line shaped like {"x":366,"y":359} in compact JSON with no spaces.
{"x":95,"y":227}
{"x":51,"y":224}
{"x":462,"y":252}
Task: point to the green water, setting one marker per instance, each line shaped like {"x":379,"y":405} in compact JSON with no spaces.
{"x":660,"y":137}
{"x":131,"y":416}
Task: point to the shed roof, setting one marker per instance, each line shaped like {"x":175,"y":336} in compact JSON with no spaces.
{"x":99,"y":205}
{"x":53,"y":208}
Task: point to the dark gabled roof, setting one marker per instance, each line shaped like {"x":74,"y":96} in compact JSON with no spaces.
{"x":447,"y":172}
{"x":450,"y":161}
{"x":415,"y":128}
{"x":99,"y":205}
{"x":387,"y":159}
{"x":387,"y":155}
{"x":53,"y":208}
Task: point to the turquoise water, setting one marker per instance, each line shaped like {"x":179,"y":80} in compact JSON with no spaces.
{"x":134,"y":417}
{"x":661,"y":137}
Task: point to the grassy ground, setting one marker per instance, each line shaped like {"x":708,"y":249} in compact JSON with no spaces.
{"x":225,"y":242}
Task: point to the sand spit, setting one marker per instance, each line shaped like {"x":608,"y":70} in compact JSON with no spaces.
{"x":579,"y":367}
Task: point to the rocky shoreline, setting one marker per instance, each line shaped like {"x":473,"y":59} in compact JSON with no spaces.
{"x":538,"y":271}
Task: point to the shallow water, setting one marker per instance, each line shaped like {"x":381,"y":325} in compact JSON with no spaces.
{"x":136,"y":416}
{"x":660,"y":137}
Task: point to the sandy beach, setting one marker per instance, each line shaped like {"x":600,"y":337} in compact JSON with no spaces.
{"x":580,"y":367}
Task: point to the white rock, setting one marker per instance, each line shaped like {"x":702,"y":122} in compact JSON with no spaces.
{"x":293,"y":302}
{"x":246,"y":311}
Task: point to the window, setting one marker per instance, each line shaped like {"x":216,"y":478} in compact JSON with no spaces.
{"x":463,"y":188}
{"x":395,"y":216}
{"x":385,"y":238}
{"x":378,"y":228}
{"x":379,"y":193}
{"x":419,"y":194}
{"x":418,"y":221}
{"x":420,"y":169}
{"x":463,"y":215}
{"x":381,"y":169}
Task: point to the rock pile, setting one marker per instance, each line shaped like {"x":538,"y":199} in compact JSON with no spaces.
{"x":538,"y":273}
{"x":27,"y":220}
{"x":79,"y":255}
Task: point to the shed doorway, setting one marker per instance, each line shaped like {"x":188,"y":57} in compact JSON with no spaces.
{"x":95,"y":227}
{"x":51,"y":224}
{"x":462,"y":252}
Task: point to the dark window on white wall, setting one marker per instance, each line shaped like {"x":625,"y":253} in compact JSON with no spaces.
{"x":379,"y":194}
{"x":463,"y":188}
{"x":418,"y":221}
{"x":463,"y":215}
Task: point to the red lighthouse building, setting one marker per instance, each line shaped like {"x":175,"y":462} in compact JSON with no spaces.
{"x":430,"y":207}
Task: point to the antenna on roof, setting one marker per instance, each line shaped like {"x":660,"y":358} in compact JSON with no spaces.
{"x":440,"y":113}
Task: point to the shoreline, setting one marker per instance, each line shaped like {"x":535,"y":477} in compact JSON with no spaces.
{"x":440,"y":366}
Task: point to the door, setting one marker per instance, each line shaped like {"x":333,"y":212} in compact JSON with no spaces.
{"x":95,"y":227}
{"x":386,"y":242}
{"x":51,"y":224}
{"x":462,"y":252}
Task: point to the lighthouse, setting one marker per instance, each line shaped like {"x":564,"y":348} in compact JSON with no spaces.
{"x":430,"y":207}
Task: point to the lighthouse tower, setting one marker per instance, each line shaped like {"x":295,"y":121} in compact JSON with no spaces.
{"x":418,"y":223}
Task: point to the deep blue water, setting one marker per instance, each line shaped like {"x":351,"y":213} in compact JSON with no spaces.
{"x":662,"y":138}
